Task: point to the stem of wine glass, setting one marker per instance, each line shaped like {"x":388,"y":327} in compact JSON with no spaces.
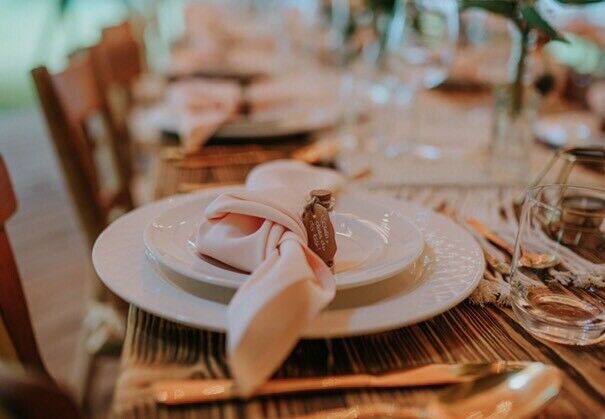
{"x":348,"y":139}
{"x":403,"y":136}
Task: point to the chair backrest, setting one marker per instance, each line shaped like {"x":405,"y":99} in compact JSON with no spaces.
{"x":121,"y":56}
{"x":13,"y":307}
{"x":69,"y":99}
{"x":117,"y":61}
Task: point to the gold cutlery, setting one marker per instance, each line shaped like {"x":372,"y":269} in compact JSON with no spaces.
{"x":517,"y":394}
{"x":493,"y":261}
{"x":528,"y":259}
{"x":175,"y":392}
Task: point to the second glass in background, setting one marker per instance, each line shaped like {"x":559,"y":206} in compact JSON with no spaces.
{"x":420,"y":49}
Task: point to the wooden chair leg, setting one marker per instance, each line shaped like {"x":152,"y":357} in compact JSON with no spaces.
{"x":81,"y":371}
{"x":102,"y":334}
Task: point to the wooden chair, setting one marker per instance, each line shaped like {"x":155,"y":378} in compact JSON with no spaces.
{"x":15,"y":322}
{"x":26,"y":388}
{"x":118,"y":63}
{"x":120,"y":57}
{"x":69,"y":100}
{"x":27,"y":395}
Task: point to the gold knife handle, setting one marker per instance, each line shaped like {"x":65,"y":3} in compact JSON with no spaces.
{"x":174,"y":392}
{"x":479,"y":227}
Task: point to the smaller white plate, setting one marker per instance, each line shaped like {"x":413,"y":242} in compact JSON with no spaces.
{"x":163,"y":119}
{"x":374,"y":242}
{"x":309,"y":121}
{"x":566,"y":129}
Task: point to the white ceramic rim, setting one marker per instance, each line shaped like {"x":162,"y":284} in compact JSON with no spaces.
{"x":234,"y":280}
{"x":119,"y":259}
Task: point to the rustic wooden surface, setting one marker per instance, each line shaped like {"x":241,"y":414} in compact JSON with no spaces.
{"x":464,"y":334}
{"x":157,"y":348}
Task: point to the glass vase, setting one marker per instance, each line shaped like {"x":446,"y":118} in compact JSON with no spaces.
{"x":512,"y":133}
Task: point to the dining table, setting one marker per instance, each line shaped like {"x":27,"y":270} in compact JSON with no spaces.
{"x":480,"y":329}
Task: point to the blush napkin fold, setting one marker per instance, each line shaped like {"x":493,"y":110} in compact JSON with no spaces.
{"x":260,"y":230}
{"x":201,"y":107}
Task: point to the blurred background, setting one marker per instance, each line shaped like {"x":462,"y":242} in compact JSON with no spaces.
{"x":472,"y":52}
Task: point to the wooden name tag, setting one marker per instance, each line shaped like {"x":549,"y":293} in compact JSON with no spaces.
{"x":320,"y":231}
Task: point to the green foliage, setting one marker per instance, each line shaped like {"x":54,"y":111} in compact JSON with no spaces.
{"x":534,"y":20}
{"x":505,"y":8}
{"x":527,"y":19}
{"x":579,"y":2}
{"x":386,"y":6}
{"x":523,"y":14}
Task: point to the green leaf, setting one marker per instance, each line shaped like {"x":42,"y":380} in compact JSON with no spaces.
{"x":579,"y":2}
{"x":535,"y":21}
{"x":506,"y":8}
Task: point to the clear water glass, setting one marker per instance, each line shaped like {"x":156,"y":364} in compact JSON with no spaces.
{"x":353,"y":44}
{"x":420,"y":48}
{"x":564,"y":303}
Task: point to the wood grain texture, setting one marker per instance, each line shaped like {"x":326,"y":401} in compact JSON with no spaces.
{"x":156,"y":348}
{"x":464,"y":334}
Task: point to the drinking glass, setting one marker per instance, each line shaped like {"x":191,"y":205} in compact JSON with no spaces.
{"x":420,"y":48}
{"x":353,"y":44}
{"x":565,"y":302}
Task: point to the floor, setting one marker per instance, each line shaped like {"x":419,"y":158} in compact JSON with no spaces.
{"x":50,"y":249}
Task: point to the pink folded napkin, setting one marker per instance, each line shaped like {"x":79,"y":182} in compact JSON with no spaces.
{"x":260,"y":230}
{"x":201,"y":107}
{"x":294,"y":89}
{"x":195,"y":56}
{"x":596,"y":98}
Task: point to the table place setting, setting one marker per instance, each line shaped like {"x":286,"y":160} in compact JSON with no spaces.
{"x":387,"y":248}
{"x":224,"y":41}
{"x":326,"y":209}
{"x":209,"y":260}
{"x":197,"y":109}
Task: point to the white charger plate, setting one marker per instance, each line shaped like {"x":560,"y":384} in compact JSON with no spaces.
{"x":449,"y":270}
{"x":374,"y":241}
{"x":319,"y":118}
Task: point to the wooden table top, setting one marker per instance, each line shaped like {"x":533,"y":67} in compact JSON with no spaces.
{"x":156,"y":348}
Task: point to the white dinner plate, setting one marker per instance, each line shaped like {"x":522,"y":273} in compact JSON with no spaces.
{"x":374,"y":241}
{"x":163,"y":119}
{"x":566,"y":129}
{"x":309,"y":121}
{"x":450,"y":268}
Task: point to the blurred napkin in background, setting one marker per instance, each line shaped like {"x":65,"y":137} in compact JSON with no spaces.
{"x":313,"y":97}
{"x":596,"y":98}
{"x":260,"y":230}
{"x":223,"y":39}
{"x":293,"y":89}
{"x":200,"y":107}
